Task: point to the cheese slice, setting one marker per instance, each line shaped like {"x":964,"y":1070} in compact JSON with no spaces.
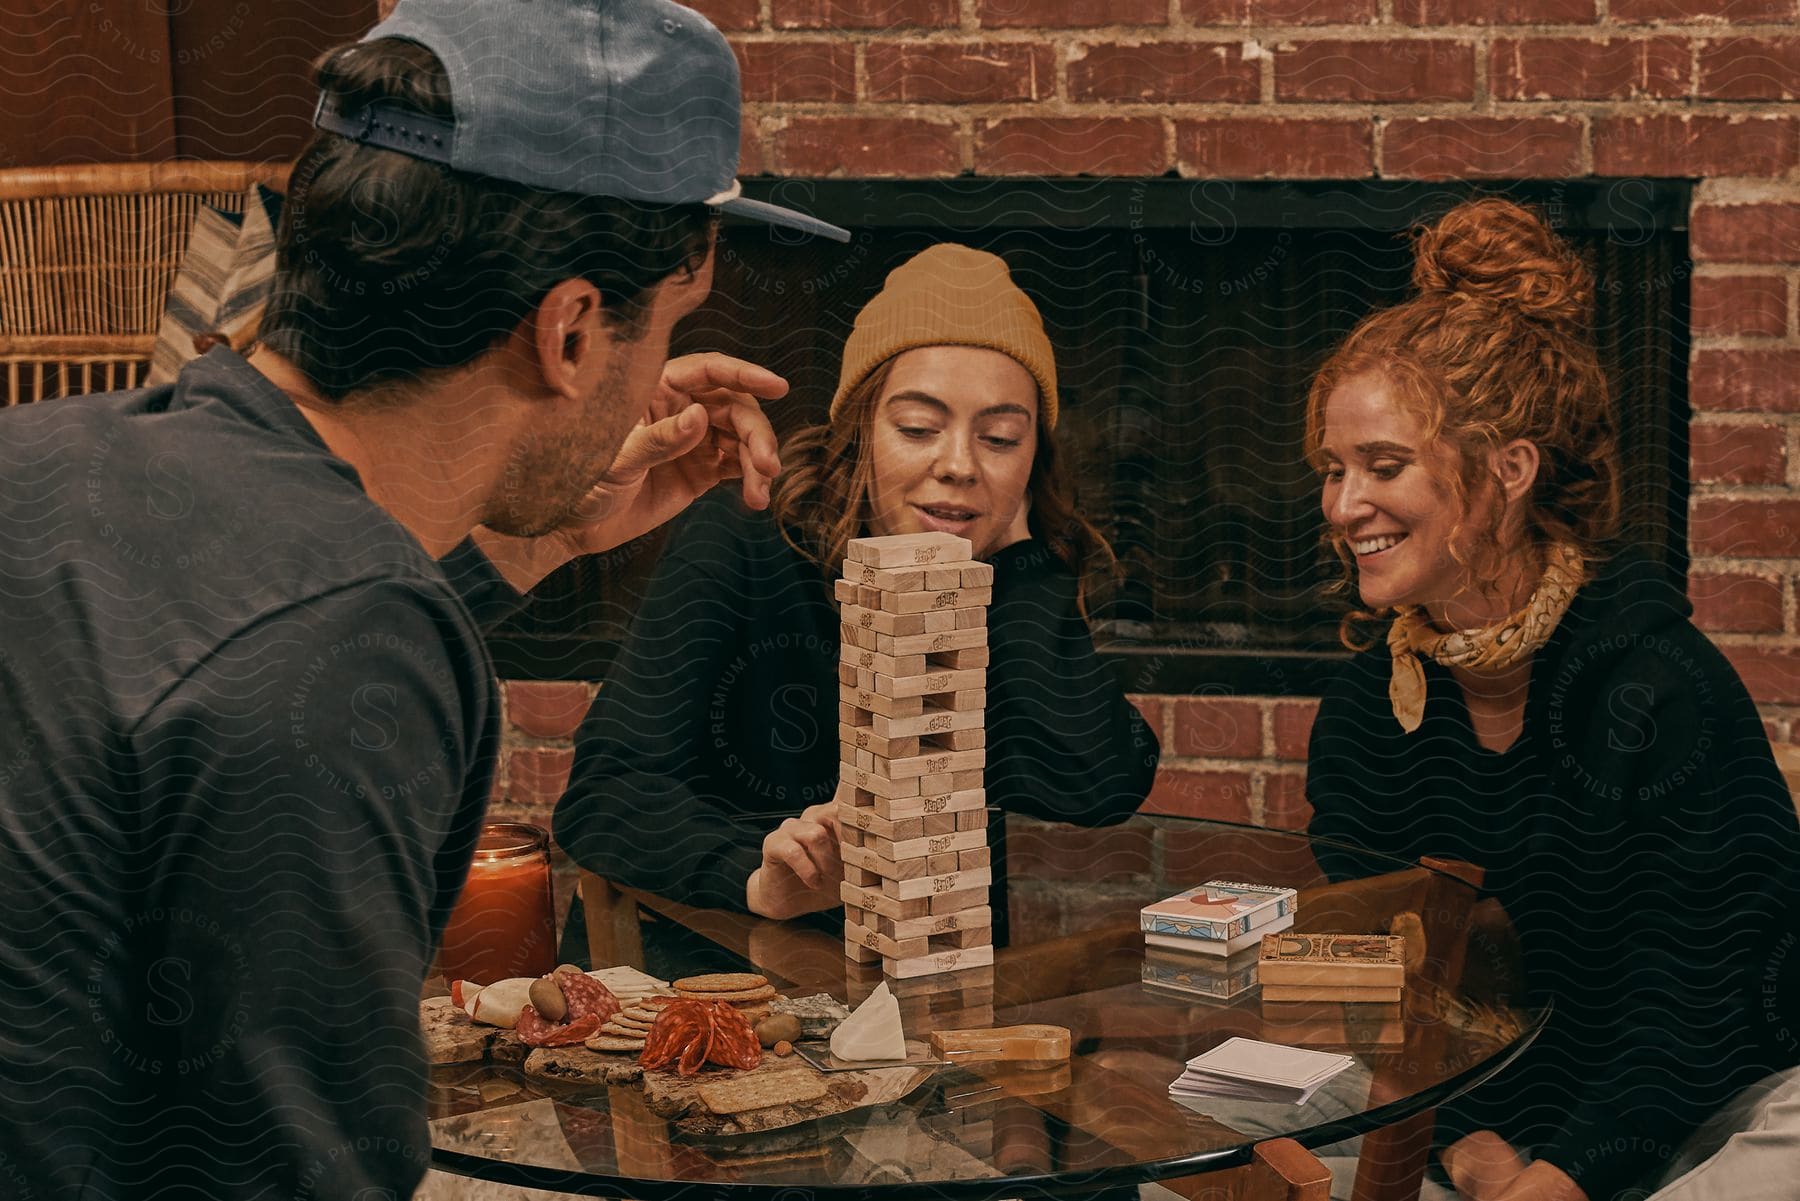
{"x":500,"y":1003}
{"x":873,"y":1031}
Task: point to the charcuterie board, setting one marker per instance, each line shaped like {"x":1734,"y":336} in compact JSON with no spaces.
{"x":686,"y":1100}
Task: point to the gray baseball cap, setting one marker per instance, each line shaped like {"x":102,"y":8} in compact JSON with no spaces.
{"x":637,"y":99}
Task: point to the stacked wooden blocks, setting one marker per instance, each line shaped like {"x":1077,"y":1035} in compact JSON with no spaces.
{"x":912,"y":812}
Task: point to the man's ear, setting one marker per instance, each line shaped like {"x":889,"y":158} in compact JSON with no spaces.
{"x":1516,"y":465}
{"x":566,"y":334}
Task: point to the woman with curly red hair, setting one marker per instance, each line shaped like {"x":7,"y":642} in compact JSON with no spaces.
{"x":1541,"y":705}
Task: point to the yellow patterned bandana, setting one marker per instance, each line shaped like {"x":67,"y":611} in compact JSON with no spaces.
{"x":1492,"y":648}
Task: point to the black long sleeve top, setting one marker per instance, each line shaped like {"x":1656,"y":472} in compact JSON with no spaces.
{"x":719,"y":718}
{"x":1643,"y":844}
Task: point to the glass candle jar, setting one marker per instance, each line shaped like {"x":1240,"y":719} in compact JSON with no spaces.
{"x":504,"y":924}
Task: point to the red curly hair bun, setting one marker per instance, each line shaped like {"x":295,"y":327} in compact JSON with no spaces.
{"x":1496,"y":251}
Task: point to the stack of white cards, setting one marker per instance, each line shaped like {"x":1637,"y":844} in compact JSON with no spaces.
{"x":1248,"y":1070}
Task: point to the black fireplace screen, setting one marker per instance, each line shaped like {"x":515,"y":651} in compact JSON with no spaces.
{"x":1188,"y":318}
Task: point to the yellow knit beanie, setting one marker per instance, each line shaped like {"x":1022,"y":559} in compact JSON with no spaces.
{"x":950,"y":295}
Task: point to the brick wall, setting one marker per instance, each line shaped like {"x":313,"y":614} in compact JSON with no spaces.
{"x":1347,"y":89}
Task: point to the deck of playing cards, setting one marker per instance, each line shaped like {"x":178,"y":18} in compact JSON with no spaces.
{"x":1333,"y":967}
{"x":1220,"y":917}
{"x":1247,"y":1070}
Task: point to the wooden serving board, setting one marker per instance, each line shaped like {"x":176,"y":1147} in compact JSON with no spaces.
{"x":673,"y":1096}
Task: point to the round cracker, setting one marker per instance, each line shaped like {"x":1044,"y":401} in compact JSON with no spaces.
{"x":612,"y":1042}
{"x":765,"y":993}
{"x":721,"y":982}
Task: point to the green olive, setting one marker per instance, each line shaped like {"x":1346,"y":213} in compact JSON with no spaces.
{"x":547,"y":998}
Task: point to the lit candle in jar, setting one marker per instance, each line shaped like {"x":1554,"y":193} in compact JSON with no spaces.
{"x":504,"y":924}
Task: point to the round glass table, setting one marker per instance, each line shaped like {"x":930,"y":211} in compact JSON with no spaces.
{"x":1069,"y":952}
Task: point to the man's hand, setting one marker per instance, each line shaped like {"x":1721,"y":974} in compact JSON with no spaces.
{"x":704,"y":426}
{"x":1542,"y":1181}
{"x":1482,"y":1166}
{"x":801,"y":869}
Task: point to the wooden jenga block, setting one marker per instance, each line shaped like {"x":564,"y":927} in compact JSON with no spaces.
{"x":851,"y":715}
{"x":871,"y":898}
{"x":852,"y":836}
{"x":927,"y":721}
{"x":973,"y":937}
{"x":857,"y":952}
{"x":950,"y":781}
{"x":847,"y":753}
{"x":958,"y":740}
{"x":884,"y":623}
{"x":906,"y":827}
{"x":979,"y":917}
{"x":943,"y":621}
{"x":861,"y":877}
{"x":978,"y":857}
{"x":869,"y":700}
{"x":843,"y":591}
{"x":940,"y":863}
{"x":970,"y":619}
{"x":926,"y":764}
{"x":896,"y":808}
{"x":941,"y":961}
{"x":961,"y":698}
{"x":888,"y":948}
{"x":885,"y":665}
{"x":926,"y":683}
{"x":977,"y":575}
{"x":899,"y":579}
{"x":878,"y":784}
{"x":864,"y":738}
{"x":936,"y":886}
{"x":930,"y":824}
{"x":957,"y":901}
{"x":962,"y":660}
{"x":925,"y":602}
{"x":908,"y":550}
{"x":927,"y":643}
{"x":890,"y":870}
{"x":971,"y":819}
{"x":931,"y":844}
{"x":869,"y":598}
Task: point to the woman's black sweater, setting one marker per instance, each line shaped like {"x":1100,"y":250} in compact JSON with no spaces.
{"x":720,"y":717}
{"x":1644,"y":845}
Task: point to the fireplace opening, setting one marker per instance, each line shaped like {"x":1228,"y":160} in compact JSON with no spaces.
{"x":1188,"y":318}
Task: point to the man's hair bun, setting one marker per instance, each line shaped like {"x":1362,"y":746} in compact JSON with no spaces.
{"x":1504,"y":253}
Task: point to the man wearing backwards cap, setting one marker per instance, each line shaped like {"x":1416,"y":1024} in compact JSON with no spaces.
{"x":246,"y":720}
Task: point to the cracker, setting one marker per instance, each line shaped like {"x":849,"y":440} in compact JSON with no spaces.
{"x":612,"y":1042}
{"x":618,"y":1031}
{"x":639,"y":1013}
{"x":761,"y":1090}
{"x":763,"y":993}
{"x":718,"y":982}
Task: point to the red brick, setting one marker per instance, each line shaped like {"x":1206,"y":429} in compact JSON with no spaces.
{"x":1281,"y":12}
{"x":1193,"y":854}
{"x":1745,"y":529}
{"x":1736,"y":604}
{"x":729,"y":14}
{"x":1048,"y":851}
{"x":1383,"y":72}
{"x":1293,"y":728}
{"x":535,"y":778}
{"x":1751,"y":233}
{"x":1737,"y":454}
{"x":1215,"y":728}
{"x":1587,"y":69}
{"x":775,"y":71}
{"x":1290,"y":148}
{"x":1071,"y":146}
{"x":547,"y":709}
{"x":1676,"y":146}
{"x":1152,"y":709}
{"x":1750,"y":69}
{"x":1721,"y":305}
{"x":1772,"y":676}
{"x":1284,"y":801}
{"x":862,"y":14}
{"x":1765,"y":381}
{"x":959,"y":72}
{"x":1220,"y":795}
{"x":1069,"y":14}
{"x":1165,"y":72}
{"x":1639,"y":11}
{"x":1495,"y":12}
{"x":1481,"y":147}
{"x":868,"y":146}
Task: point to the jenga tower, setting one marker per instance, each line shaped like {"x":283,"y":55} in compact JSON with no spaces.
{"x":912,"y":694}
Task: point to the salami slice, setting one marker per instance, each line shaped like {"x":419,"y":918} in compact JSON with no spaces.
{"x":586,"y":996}
{"x":535,"y":1030}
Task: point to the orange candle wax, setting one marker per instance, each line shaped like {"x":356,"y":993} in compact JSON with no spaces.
{"x":504,"y":924}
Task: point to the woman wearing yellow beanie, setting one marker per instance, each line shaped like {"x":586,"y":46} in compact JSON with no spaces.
{"x":706,"y":770}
